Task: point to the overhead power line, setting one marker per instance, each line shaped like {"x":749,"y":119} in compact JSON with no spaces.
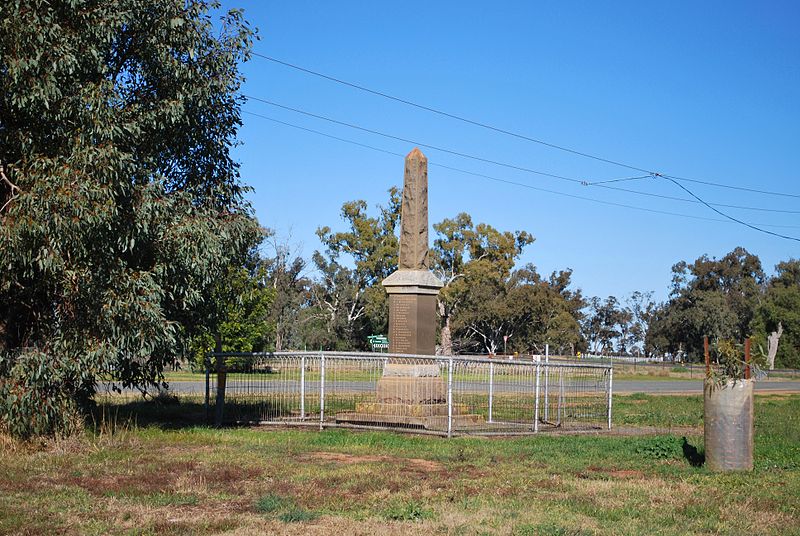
{"x":490,"y":177}
{"x":618,"y":180}
{"x":447,"y":114}
{"x":413,"y":142}
{"x":741,"y":188}
{"x":512,"y":133}
{"x":694,"y":201}
{"x":750,"y":225}
{"x":599,"y":184}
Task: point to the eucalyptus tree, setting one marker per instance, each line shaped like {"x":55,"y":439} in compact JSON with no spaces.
{"x":120,"y":201}
{"x":474,"y":262}
{"x":710,"y":297}
{"x":776,"y":324}
{"x":347,"y":299}
{"x":287,"y":276}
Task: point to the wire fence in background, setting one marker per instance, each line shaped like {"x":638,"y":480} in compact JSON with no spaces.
{"x":426,"y":394}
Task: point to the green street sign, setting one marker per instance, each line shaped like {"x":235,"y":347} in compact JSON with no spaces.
{"x":378,"y":342}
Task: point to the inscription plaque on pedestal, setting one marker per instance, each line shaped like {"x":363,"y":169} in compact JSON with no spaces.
{"x":412,"y":323}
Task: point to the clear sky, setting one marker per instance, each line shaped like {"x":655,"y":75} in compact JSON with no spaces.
{"x":705,"y":90}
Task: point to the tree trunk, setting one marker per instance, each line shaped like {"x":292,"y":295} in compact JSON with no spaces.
{"x":278,"y":338}
{"x":220,"y":365}
{"x":772,"y":345}
{"x":446,"y":336}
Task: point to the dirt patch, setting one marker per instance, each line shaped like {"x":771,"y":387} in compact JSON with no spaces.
{"x":185,"y":476}
{"x":231,"y":477}
{"x":116,"y":484}
{"x":594,"y":472}
{"x":653,"y":430}
{"x":417,"y":464}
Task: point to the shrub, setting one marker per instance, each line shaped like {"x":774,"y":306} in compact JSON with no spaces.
{"x":35,"y":395}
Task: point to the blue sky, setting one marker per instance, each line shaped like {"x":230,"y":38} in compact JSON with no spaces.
{"x":706,"y":90}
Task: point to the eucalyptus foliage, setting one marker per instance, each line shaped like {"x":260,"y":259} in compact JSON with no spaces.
{"x":119,"y":199}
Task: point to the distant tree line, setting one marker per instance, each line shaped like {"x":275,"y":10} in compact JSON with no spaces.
{"x":490,"y":305}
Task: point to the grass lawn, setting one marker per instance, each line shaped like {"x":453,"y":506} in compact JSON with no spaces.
{"x":165,"y":475}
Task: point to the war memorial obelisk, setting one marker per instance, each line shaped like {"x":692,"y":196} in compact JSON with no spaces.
{"x":413,"y":288}
{"x":411,"y":392}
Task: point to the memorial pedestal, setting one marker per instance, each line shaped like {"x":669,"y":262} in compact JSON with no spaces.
{"x":412,"y":311}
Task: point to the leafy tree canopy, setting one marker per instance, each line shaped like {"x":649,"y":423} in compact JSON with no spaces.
{"x":710,"y":297}
{"x":778,"y":316}
{"x":119,"y":200}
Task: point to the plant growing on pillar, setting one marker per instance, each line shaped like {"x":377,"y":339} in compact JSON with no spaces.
{"x":730,"y":364}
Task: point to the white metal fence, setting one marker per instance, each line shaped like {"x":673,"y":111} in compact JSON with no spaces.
{"x":427,"y":394}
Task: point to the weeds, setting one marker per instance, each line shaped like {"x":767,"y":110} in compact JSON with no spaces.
{"x":409,"y":510}
{"x":660,"y":448}
{"x":298,"y":515}
{"x":271,"y":503}
{"x":285,"y":508}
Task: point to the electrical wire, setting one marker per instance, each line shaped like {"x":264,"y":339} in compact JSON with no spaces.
{"x":751,"y":226}
{"x":413,"y":142}
{"x":742,"y":188}
{"x":490,"y":177}
{"x":599,"y":184}
{"x":511,"y":133}
{"x":685,"y":200}
{"x":446,"y":114}
{"x":618,"y":180}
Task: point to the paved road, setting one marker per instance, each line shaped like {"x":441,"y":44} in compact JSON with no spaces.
{"x":620,"y":386}
{"x":693,"y":386}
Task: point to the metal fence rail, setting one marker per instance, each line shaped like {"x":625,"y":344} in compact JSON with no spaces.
{"x":427,"y":394}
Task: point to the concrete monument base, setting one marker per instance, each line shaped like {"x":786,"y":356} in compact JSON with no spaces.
{"x":411,"y":384}
{"x":412,"y":396}
{"x":436,"y":423}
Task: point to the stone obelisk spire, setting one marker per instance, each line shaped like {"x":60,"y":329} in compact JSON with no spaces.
{"x":412,"y":288}
{"x":414,"y":216}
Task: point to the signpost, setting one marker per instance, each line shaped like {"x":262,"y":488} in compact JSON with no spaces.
{"x":379,"y":343}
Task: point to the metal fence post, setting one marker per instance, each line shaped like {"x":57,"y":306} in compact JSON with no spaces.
{"x":546,"y":382}
{"x":303,"y":388}
{"x":560,"y":394}
{"x":450,"y":397}
{"x":221,"y":383}
{"x":207,"y":361}
{"x":536,"y":401}
{"x":610,"y":390}
{"x":491,"y":389}
{"x":321,"y":390}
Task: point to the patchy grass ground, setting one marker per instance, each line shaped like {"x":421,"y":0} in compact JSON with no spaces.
{"x":164,"y":475}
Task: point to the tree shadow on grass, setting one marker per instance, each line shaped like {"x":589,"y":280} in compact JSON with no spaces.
{"x":174,"y":413}
{"x":167,"y":415}
{"x":692,"y":455}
